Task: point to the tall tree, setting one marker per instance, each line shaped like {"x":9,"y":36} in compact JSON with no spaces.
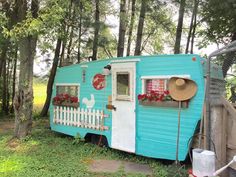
{"x":96,"y":30}
{"x":122,"y":29}
{"x":51,"y":78}
{"x":179,"y":27}
{"x":131,"y":26}
{"x":69,"y":47}
{"x":80,"y":31}
{"x":140,"y":27}
{"x":23,"y":102}
{"x":196,"y":3}
{"x":192,"y":27}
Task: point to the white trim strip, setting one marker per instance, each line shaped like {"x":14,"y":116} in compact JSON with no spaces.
{"x":67,"y":84}
{"x":125,"y":60}
{"x":84,"y":66}
{"x":165,"y":76}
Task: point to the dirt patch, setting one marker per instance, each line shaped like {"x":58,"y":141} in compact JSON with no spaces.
{"x":13,"y":143}
{"x":6,"y":126}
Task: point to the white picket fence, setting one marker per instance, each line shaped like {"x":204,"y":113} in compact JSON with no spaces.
{"x":79,"y":117}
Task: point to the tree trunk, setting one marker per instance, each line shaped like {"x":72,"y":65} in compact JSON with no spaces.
{"x":122,"y":29}
{"x":194,"y":24}
{"x":140,"y":28}
{"x":131,"y":27}
{"x":4,"y":88}
{"x":23,"y":101}
{"x":69,"y":49}
{"x":65,"y":28}
{"x":51,"y":78}
{"x":96,"y":31}
{"x":190,"y":28}
{"x":80,"y":31}
{"x":179,"y":27}
{"x":14,"y":80}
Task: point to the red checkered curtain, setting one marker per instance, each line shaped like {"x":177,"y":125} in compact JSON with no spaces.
{"x":155,"y":85}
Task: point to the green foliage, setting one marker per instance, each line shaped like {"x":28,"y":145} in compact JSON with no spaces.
{"x":49,"y":19}
{"x":46,"y":153}
{"x":77,"y":139}
{"x":220,"y":17}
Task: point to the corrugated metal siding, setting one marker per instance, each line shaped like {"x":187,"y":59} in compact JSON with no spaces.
{"x":73,"y":74}
{"x":157,"y":127}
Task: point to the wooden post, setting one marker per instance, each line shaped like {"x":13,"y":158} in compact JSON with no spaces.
{"x":218,"y":135}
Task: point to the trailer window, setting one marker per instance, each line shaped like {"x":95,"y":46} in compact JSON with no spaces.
{"x":123,"y":85}
{"x":158,"y":85}
{"x":71,"y":90}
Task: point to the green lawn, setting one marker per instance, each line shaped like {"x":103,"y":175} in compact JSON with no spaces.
{"x":39,"y":96}
{"x":46,"y":153}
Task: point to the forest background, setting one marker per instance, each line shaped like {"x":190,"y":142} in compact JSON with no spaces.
{"x":36,"y":37}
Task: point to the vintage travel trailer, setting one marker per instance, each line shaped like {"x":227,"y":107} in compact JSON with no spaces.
{"x":127,"y":101}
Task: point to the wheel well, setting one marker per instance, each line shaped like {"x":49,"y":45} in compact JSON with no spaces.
{"x":100,"y":140}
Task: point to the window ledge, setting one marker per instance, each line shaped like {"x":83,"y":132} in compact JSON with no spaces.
{"x":75,"y":105}
{"x":173,"y":104}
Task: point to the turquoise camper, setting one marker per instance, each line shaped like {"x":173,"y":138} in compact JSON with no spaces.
{"x":126,"y":100}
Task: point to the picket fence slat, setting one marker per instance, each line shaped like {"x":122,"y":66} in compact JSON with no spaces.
{"x":79,"y":117}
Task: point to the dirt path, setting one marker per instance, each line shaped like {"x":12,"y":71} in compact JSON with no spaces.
{"x":6,"y":126}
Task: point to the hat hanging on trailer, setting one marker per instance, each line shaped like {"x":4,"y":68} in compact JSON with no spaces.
{"x":182,"y":89}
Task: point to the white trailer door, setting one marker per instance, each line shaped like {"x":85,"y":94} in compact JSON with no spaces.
{"x":123,"y":99}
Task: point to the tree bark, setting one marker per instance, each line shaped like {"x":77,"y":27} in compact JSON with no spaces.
{"x":194,"y":25}
{"x":179,"y":27}
{"x":69,"y":49}
{"x":190,"y":28}
{"x":132,"y":18}
{"x":23,"y":101}
{"x":51,"y":78}
{"x":140,"y":28}
{"x":65,"y":27}
{"x":14,"y":79}
{"x":96,"y":31}
{"x":122,"y":29}
{"x":80,"y":31}
{"x":4,"y":88}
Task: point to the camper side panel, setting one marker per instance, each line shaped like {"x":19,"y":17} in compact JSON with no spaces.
{"x":157,"y":126}
{"x":83,"y":75}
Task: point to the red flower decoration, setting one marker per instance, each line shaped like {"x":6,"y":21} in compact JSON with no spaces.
{"x":166,"y":92}
{"x":65,"y":98}
{"x":155,"y":96}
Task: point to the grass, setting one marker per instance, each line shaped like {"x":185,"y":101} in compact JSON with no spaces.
{"x":39,"y":96}
{"x":46,"y":153}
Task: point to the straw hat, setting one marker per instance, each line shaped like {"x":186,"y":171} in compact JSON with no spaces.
{"x":181,"y":88}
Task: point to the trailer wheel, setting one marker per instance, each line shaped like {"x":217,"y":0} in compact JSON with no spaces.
{"x":99,"y":140}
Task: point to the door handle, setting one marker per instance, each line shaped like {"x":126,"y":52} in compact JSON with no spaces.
{"x":111,"y":107}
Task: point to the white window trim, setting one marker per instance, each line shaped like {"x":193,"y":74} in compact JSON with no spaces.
{"x":67,"y":84}
{"x":123,"y":97}
{"x":84,"y":66}
{"x":144,"y":78}
{"x":165,"y":76}
{"x":125,"y":60}
{"x":70,"y":84}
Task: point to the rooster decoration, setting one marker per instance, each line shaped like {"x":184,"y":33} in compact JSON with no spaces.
{"x":89,"y":103}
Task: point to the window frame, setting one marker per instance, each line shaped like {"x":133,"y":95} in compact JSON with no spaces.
{"x":69,"y":84}
{"x":145,"y":78}
{"x":123,"y":97}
